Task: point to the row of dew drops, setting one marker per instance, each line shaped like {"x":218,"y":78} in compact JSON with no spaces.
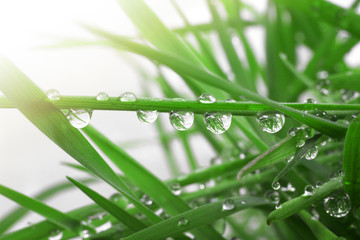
{"x":217,"y":123}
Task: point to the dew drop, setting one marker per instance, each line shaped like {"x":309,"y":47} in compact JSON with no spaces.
{"x":289,"y":159}
{"x":309,"y":190}
{"x":127,"y":97}
{"x":183,"y":221}
{"x":181,"y":121}
{"x":56,"y":235}
{"x":273,"y":197}
{"x":314,"y":215}
{"x":53,"y":94}
{"x":79,"y":118}
{"x":103,"y":97}
{"x":275,"y":185}
{"x":310,"y":100}
{"x":147,"y":116}
{"x":309,"y":133}
{"x":270,"y":122}
{"x":175,"y":189}
{"x":318,"y":184}
{"x":99,"y":222}
{"x":337,"y":205}
{"x":147,"y":200}
{"x":242,"y":156}
{"x":119,"y":199}
{"x":300,"y":143}
{"x":312,"y":153}
{"x":243,"y":202}
{"x":228,"y":204}
{"x":278,"y":206}
{"x":230,"y":100}
{"x":86,"y":230}
{"x":292,"y":131}
{"x":215,"y":161}
{"x":217,"y":123}
{"x":207,"y":98}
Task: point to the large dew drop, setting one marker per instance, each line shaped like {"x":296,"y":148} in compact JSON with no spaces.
{"x":337,"y":205}
{"x":127,"y":97}
{"x":207,"y":98}
{"x":312,"y":153}
{"x":147,"y":116}
{"x":228,"y":204}
{"x":103,"y":97}
{"x":276,"y":185}
{"x":53,"y":94}
{"x":217,"y":123}
{"x":79,"y":118}
{"x":181,"y":121}
{"x":271,"y":122}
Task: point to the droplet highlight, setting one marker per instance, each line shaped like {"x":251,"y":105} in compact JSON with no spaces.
{"x":312,"y":153}
{"x":228,"y":205}
{"x":181,"y":121}
{"x":102,"y":97}
{"x":270,"y":122}
{"x":207,"y":98}
{"x":127,"y":97}
{"x":337,"y":205}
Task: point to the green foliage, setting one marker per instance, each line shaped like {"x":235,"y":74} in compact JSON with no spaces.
{"x":256,"y":158}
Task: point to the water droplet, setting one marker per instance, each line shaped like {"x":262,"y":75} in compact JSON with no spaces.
{"x":53,"y":94}
{"x":310,"y":100}
{"x":56,"y":235}
{"x":323,"y":86}
{"x":312,"y":153}
{"x":183,"y":221}
{"x":242,"y":156}
{"x":318,"y":184}
{"x":288,"y":188}
{"x":228,"y":204}
{"x":119,"y":199}
{"x":309,"y":190}
{"x":99,"y":222}
{"x":243,"y":202}
{"x":103,"y":97}
{"x":230,"y":100}
{"x":79,"y":118}
{"x":175,"y":189}
{"x":292,"y":131}
{"x":147,"y":200}
{"x":207,"y":98}
{"x":181,"y":121}
{"x":309,"y":133}
{"x":337,"y":205}
{"x":215,"y":161}
{"x":314,"y":215}
{"x":147,"y":116}
{"x":243,"y":191}
{"x":273,"y":197}
{"x":289,"y":159}
{"x":278,"y":206}
{"x":270,"y":122}
{"x":127,"y":97}
{"x":322,"y":74}
{"x":86,"y":230}
{"x":217,"y":123}
{"x":275,"y":185}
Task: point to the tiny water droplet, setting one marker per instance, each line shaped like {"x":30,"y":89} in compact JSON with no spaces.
{"x":119,"y":199}
{"x":103,"y":97}
{"x":309,"y":133}
{"x":270,"y":122}
{"x":315,"y":215}
{"x":86,"y":230}
{"x":147,"y":200}
{"x":56,"y":235}
{"x":175,"y":189}
{"x":207,"y":98}
{"x":318,"y":184}
{"x":300,"y":143}
{"x":127,"y":97}
{"x":243,"y":202}
{"x":289,"y":159}
{"x":242,"y":156}
{"x":230,"y":100}
{"x":243,"y":191}
{"x":215,"y":161}
{"x":183,"y":221}
{"x":79,"y":118}
{"x":181,"y":121}
{"x":292,"y":131}
{"x":337,"y":205}
{"x":147,"y":116}
{"x":228,"y":204}
{"x":273,"y":197}
{"x":322,"y":74}
{"x":309,"y":190}
{"x":276,"y":185}
{"x":217,"y":123}
{"x":278,"y":206}
{"x":312,"y":153}
{"x":53,"y":94}
{"x":310,"y":100}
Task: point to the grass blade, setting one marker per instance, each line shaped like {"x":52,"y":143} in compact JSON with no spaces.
{"x":195,"y":218}
{"x":351,"y":163}
{"x":53,"y":215}
{"x":123,"y":216}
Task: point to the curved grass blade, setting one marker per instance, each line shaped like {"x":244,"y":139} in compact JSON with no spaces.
{"x":297,"y":157}
{"x":351,"y":163}
{"x":297,"y":204}
{"x":14,"y":216}
{"x":145,"y":180}
{"x":35,"y":105}
{"x":318,"y":229}
{"x":123,"y":216}
{"x":195,"y":218}
{"x":184,"y":68}
{"x":61,"y":219}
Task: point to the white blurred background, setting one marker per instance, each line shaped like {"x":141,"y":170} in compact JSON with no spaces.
{"x":29,"y":161}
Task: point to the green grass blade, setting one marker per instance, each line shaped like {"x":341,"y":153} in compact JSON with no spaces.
{"x":123,"y":216}
{"x":61,"y":219}
{"x":351,"y":163}
{"x":178,"y":65}
{"x":196,"y":217}
{"x":145,"y":180}
{"x":35,"y":105}
{"x":14,"y":216}
{"x":348,"y":80}
{"x":297,"y":204}
{"x":318,"y":229}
